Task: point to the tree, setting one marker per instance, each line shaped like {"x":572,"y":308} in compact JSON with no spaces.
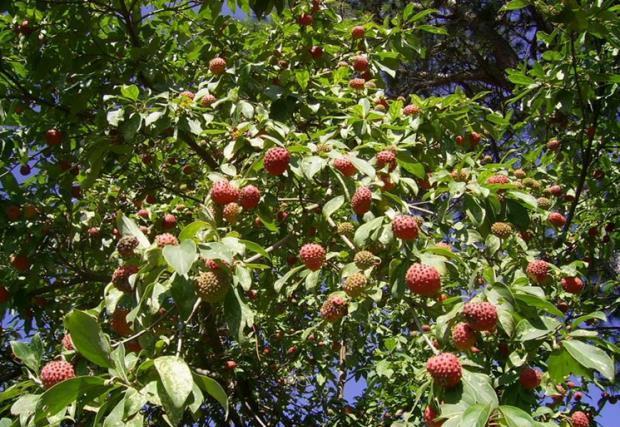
{"x":218,"y":221}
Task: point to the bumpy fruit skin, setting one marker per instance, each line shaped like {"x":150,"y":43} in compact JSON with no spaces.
{"x":423,"y":280}
{"x":386,"y":157}
{"x":519,"y":173}
{"x":411,"y":110}
{"x":573,"y":285}
{"x":231,"y":213}
{"x":53,"y":137}
{"x":358,"y":32}
{"x":405,"y":227}
{"x":20,"y":263}
{"x":312,"y":255}
{"x":557,"y":219}
{"x":445,"y":368}
{"x":463,"y":336}
{"x":276,"y":160}
{"x":126,"y":246}
{"x":55,"y":372}
{"x":212,"y":286}
{"x":334,"y":308}
{"x":67,"y":342}
{"x":120,"y":277}
{"x":361,"y":200}
{"x":118,"y":322}
{"x":207,"y":100}
{"x":580,"y":419}
{"x":429,"y":417}
{"x":481,"y":316}
{"x":503,"y":230}
{"x":249,"y":197}
{"x":539,"y":271}
{"x":217,"y":66}
{"x":166,"y":239}
{"x":556,"y":190}
{"x":345,"y":166}
{"x":364,"y":259}
{"x":360,"y":63}
{"x":530,"y":378}
{"x":187,"y":94}
{"x":346,"y":228}
{"x":357,"y":84}
{"x":498,"y":179}
{"x":553,"y":145}
{"x":543,"y":203}
{"x":223,"y":192}
{"x":354,"y":285}
{"x":169,"y":221}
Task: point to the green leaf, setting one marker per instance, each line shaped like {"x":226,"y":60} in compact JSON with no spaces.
{"x":238,"y":315}
{"x":277,"y":286}
{"x":181,"y":257}
{"x":64,"y":393}
{"x":29,"y":353}
{"x":132,"y":92}
{"x":214,"y":389}
{"x":536,"y":301}
{"x":190,"y":230}
{"x":516,"y":4}
{"x":362,"y":233}
{"x":515,"y":417}
{"x":591,"y":357}
{"x":595,"y":315}
{"x":476,"y":415}
{"x":88,"y":338}
{"x":242,"y":277}
{"x":561,"y":364}
{"x":176,"y":378}
{"x":363,"y":166}
{"x":246,"y":109}
{"x":332,"y":206}
{"x":479,"y":388}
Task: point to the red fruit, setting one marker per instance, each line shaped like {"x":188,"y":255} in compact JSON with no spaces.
{"x":187,"y":94}
{"x":4,"y":295}
{"x":24,"y":28}
{"x":562,"y":306}
{"x":423,"y":280}
{"x":556,"y":190}
{"x":445,"y":368}
{"x":231,"y":365}
{"x":20,"y":262}
{"x":481,"y":316}
{"x":411,"y":110}
{"x":580,"y":419}
{"x":345,"y":166}
{"x":553,"y":145}
{"x":361,"y":200}
{"x":386,"y":157}
{"x":316,"y":52}
{"x":312,"y":255}
{"x":187,"y":169}
{"x":358,"y":32}
{"x":291,"y":260}
{"x":334,"y":308}
{"x":13,"y":212}
{"x":118,"y":322}
{"x":217,"y":65}
{"x":357,"y":84}
{"x":166,"y":239}
{"x":169,"y":221}
{"x":276,"y":160}
{"x":143,"y":213}
{"x":25,"y":170}
{"x":207,"y":100}
{"x":498,"y":179}
{"x":67,"y":342}
{"x":53,"y":137}
{"x":530,"y":378}
{"x":305,"y":20}
{"x":429,"y":417}
{"x":538,"y":271}
{"x":573,"y":285}
{"x":249,"y":196}
{"x":578,"y":396}
{"x":405,"y":227}
{"x":55,"y":372}
{"x":474,"y":138}
{"x":94,"y":232}
{"x":231,"y":212}
{"x":133,"y":346}
{"x":463,"y":336}
{"x":360,"y":63}
{"x":223,"y":192}
{"x":120,"y":277}
{"x":459,"y":139}
{"x":557,"y":219}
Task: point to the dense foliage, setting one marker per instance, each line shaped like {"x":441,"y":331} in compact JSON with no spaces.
{"x":214,"y":221}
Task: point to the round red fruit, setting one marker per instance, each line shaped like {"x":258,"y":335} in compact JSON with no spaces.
{"x":423,"y":280}
{"x":360,"y":63}
{"x":55,"y":372}
{"x":580,"y":419}
{"x":530,"y":378}
{"x":386,"y":158}
{"x":169,"y":221}
{"x":53,"y":137}
{"x":276,"y":160}
{"x":463,"y":336}
{"x":573,"y":285}
{"x":445,"y":368}
{"x":217,"y":65}
{"x":357,"y":84}
{"x":361,"y":200}
{"x":405,"y":227}
{"x":249,"y":197}
{"x":358,"y":32}
{"x":557,"y":219}
{"x":305,"y":20}
{"x":539,"y":271}
{"x":345,"y":166}
{"x":223,"y":192}
{"x":312,"y":255}
{"x":481,"y":316}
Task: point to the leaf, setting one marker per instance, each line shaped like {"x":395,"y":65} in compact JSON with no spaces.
{"x":332,"y":206}
{"x":561,"y":364}
{"x":242,"y":276}
{"x":29,"y":353}
{"x":129,"y":226}
{"x":277,"y":286}
{"x":362,"y":233}
{"x":516,"y":4}
{"x":181,"y":257}
{"x":64,"y":393}
{"x":363,"y":166}
{"x":536,"y":301}
{"x":476,"y":415}
{"x":515,"y":417}
{"x":130,"y":91}
{"x":595,"y":315}
{"x":238,"y":315}
{"x":246,"y":109}
{"x":525,"y":199}
{"x":311,"y":166}
{"x":176,"y":378}
{"x":591,"y":357}
{"x":114,"y":117}
{"x":214,"y":389}
{"x":479,"y":387}
{"x":190,"y":230}
{"x":88,"y":338}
